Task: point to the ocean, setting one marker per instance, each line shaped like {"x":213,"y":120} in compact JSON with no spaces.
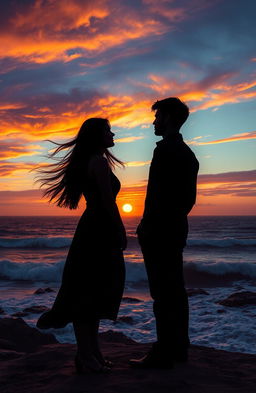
{"x":219,"y":258}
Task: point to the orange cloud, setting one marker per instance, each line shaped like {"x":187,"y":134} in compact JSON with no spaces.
{"x":228,"y":177}
{"x":63,"y":31}
{"x":15,"y":149}
{"x":221,"y":205}
{"x":126,"y":111}
{"x":137,"y":163}
{"x":12,"y":169}
{"x":64,"y":114}
{"x":234,"y":189}
{"x":163,"y":8}
{"x":220,"y":193}
{"x":188,"y":90}
{"x":129,"y":139}
{"x":31,"y":203}
{"x":61,"y":115}
{"x":213,"y":189}
{"x":211,"y":92}
{"x":233,"y":138}
{"x":4,"y":107}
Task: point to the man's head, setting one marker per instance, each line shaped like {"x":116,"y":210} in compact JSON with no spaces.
{"x":170,"y":114}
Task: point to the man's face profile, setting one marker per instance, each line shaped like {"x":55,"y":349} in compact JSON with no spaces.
{"x":160,"y":123}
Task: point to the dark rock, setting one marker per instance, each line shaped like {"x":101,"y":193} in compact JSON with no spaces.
{"x":20,"y":314}
{"x":126,"y":299}
{"x":196,"y":291}
{"x":115,"y":337}
{"x":5,"y":344}
{"x":17,"y":335}
{"x":8,"y":355}
{"x":51,"y":369}
{"x":36,"y":309}
{"x":40,"y":291}
{"x":124,"y":319}
{"x":2,"y":310}
{"x":239,"y":299}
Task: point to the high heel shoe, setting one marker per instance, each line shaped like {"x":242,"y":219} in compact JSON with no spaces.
{"x":108,"y":363}
{"x":105,"y":362}
{"x":90,"y":366}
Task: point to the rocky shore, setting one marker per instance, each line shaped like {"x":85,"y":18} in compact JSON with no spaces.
{"x":35,"y":362}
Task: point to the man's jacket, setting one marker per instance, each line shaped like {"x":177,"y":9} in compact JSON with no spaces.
{"x":171,"y":191}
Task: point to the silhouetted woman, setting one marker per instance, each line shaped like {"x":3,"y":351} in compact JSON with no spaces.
{"x":93,"y":277}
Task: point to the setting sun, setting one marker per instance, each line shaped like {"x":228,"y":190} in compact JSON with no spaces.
{"x":127,"y":208}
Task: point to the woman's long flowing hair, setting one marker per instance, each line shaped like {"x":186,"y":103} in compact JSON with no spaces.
{"x":65,"y":179}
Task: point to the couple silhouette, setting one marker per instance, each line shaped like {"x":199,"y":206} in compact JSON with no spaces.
{"x":94,"y":273}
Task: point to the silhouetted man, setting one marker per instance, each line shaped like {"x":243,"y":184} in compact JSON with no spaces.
{"x":162,"y":233}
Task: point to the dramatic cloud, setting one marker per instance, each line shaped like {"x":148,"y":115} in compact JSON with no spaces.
{"x":44,"y":115}
{"x":26,"y":196}
{"x":64,"y":61}
{"x":242,"y":184}
{"x":62,"y":114}
{"x":211,"y":91}
{"x":234,"y":185}
{"x":15,"y":149}
{"x":42,"y":31}
{"x":232,"y":138}
{"x":248,"y":190}
{"x":228,"y":177}
{"x":13,"y":169}
{"x":137,"y":163}
{"x":128,"y":139}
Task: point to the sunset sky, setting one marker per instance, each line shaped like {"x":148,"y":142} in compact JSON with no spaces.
{"x":65,"y":61}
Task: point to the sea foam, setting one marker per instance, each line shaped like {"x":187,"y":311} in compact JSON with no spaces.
{"x":135,"y":272}
{"x":48,"y":272}
{"x":61,"y":242}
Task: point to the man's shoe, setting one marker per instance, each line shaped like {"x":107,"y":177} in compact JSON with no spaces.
{"x":155,"y":358}
{"x":151,"y":360}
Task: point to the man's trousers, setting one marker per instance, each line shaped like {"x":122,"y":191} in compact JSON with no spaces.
{"x":164,"y":266}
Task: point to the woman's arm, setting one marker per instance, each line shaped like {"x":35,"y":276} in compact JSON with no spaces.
{"x":100,"y":171}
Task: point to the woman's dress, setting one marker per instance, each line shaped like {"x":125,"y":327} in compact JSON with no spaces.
{"x":94,"y":272}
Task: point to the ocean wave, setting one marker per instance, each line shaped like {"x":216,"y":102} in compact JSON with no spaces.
{"x":135,"y":272}
{"x":52,"y":272}
{"x":224,"y":272}
{"x":30,"y":271}
{"x":226,"y":242}
{"x":36,"y":242}
{"x":62,"y":242}
{"x":48,"y":242}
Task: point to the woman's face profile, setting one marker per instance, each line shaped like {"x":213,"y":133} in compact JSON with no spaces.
{"x":108,"y":135}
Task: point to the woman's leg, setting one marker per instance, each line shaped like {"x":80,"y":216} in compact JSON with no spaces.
{"x":86,"y":338}
{"x":95,"y":344}
{"x":83,"y":338}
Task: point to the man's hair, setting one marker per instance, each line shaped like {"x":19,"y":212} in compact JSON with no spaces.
{"x":174,"y":107}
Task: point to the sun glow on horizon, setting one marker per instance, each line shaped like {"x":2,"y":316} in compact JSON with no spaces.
{"x":127,"y":207}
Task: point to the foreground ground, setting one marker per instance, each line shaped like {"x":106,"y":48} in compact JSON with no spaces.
{"x":35,"y":363}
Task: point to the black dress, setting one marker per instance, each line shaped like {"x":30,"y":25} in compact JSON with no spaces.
{"x":94,"y":272}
